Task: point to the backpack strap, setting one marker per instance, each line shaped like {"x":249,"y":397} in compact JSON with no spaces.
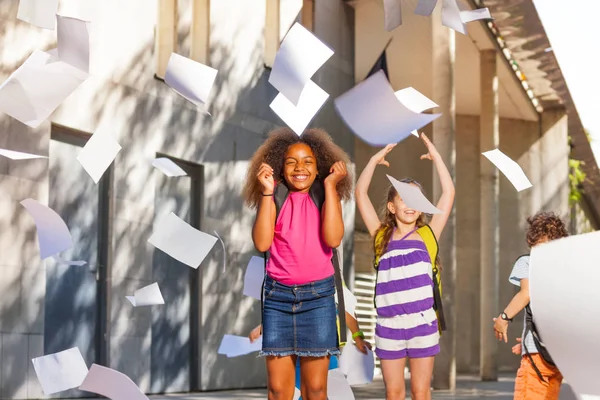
{"x":432,"y":246}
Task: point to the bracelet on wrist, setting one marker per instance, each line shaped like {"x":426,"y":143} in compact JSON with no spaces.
{"x":268,"y":194}
{"x":359,"y":334}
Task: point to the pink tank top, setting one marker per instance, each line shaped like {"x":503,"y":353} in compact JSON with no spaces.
{"x":298,"y":254}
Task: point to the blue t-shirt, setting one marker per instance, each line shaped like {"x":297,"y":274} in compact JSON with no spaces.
{"x":521,"y":271}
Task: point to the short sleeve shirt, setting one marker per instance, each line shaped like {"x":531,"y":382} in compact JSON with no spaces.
{"x":521,"y":271}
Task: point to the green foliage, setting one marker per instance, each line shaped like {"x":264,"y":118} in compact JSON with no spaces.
{"x":576,"y":179}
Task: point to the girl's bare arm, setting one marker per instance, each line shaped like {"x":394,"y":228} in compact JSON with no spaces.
{"x":332,"y":227}
{"x":264,"y":225}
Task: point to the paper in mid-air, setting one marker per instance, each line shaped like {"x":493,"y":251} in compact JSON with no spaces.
{"x":53,"y":234}
{"x":393,"y":14}
{"x":168,"y":167}
{"x":300,"y":55}
{"x":97,"y":154}
{"x":235,"y":346}
{"x":513,"y":171}
{"x":17,"y":155}
{"x":412,"y":196}
{"x":190,"y":79}
{"x":60,"y":371}
{"x":455,"y":14}
{"x":298,"y":117}
{"x":182,"y":241}
{"x":147,"y":296}
{"x":112,"y":384}
{"x":415,"y":101}
{"x":254,"y":276}
{"x":41,"y":13}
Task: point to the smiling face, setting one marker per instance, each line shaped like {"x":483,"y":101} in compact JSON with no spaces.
{"x":402,"y":212}
{"x":299,"y":167}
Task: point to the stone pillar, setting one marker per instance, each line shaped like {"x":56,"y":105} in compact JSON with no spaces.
{"x":443,"y":59}
{"x":200,"y":31}
{"x":166,"y":35}
{"x":489,"y":212}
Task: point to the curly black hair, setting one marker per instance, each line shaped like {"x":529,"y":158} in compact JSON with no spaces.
{"x":273,"y":151}
{"x":545,"y":225}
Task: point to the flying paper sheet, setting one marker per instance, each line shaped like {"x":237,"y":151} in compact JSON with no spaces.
{"x":17,"y":155}
{"x":112,"y":384}
{"x":40,"y":13}
{"x":168,"y":167}
{"x":393,"y":14}
{"x":38,"y":87}
{"x":190,"y":79}
{"x":147,"y":296}
{"x":425,"y":7}
{"x":97,"y":154}
{"x":509,"y":168}
{"x":53,"y":234}
{"x":300,"y":55}
{"x":373,"y":112}
{"x":350,"y":301}
{"x":338,"y":387}
{"x":415,"y":101}
{"x":454,"y":14}
{"x":298,"y":117}
{"x":60,"y":371}
{"x":359,"y":368}
{"x":235,"y":346}
{"x":60,"y":260}
{"x":224,"y":250}
{"x":74,"y":42}
{"x":181,"y":241}
{"x":564,"y":293}
{"x":412,"y":196}
{"x":253,"y":279}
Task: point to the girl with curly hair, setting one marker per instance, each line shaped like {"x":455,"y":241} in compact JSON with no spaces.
{"x":407,"y":325}
{"x":299,"y":311}
{"x":537,"y":377}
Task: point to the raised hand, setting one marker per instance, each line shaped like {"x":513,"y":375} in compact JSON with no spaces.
{"x":379,"y":157}
{"x":431,"y":150}
{"x":265,"y":177}
{"x":337,"y":172}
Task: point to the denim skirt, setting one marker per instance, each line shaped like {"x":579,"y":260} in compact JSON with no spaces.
{"x":299,"y":319}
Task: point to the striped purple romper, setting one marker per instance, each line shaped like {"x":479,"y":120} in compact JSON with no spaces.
{"x":406,"y":321}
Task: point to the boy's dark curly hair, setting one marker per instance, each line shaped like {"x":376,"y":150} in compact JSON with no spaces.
{"x":273,"y":151}
{"x":545,"y":225}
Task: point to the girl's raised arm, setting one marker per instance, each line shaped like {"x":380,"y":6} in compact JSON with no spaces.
{"x":446,"y":201}
{"x":264,"y":225}
{"x":365,"y":207}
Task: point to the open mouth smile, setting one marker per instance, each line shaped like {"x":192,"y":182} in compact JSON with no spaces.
{"x":300,"y":178}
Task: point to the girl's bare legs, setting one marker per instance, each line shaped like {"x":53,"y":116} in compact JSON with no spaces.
{"x":421,"y":370}
{"x":313,"y":372}
{"x":281,"y":373}
{"x":393,"y":378}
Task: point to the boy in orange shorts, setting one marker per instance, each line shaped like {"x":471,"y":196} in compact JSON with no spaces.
{"x":537,"y":377}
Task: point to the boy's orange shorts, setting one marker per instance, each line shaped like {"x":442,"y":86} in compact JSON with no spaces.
{"x":528,"y":385}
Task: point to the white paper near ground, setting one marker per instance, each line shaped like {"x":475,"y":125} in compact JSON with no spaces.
{"x":41,"y":13}
{"x":190,"y":79}
{"x":350,"y":301}
{"x":147,"y":296}
{"x":513,"y":171}
{"x":181,"y":241}
{"x":112,"y":384}
{"x":300,"y":55}
{"x":60,"y":260}
{"x":53,"y":234}
{"x":338,"y":387}
{"x":298,"y":117}
{"x":17,"y":155}
{"x":254,"y":276}
{"x":168,"y":167}
{"x":60,"y":371}
{"x":372,"y":110}
{"x":359,"y":368}
{"x":97,"y":154}
{"x":74,"y":42}
{"x":412,"y":196}
{"x":415,"y":101}
{"x":235,"y":346}
{"x":393,"y":14}
{"x":565,"y":299}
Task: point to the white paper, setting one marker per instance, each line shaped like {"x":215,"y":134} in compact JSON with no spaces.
{"x":425,"y":7}
{"x":168,"y":167}
{"x":112,"y":384}
{"x":60,"y":371}
{"x":147,"y":296}
{"x":224,"y":250}
{"x":17,"y":155}
{"x":97,"y":154}
{"x":38,"y":87}
{"x":338,"y":387}
{"x":372,"y":110}
{"x":513,"y":172}
{"x":190,"y":79}
{"x":451,"y":17}
{"x":60,"y":260}
{"x":412,"y":196}
{"x":53,"y":234}
{"x":393,"y":14}
{"x":40,"y":13}
{"x":475,"y":15}
{"x":415,"y":101}
{"x":181,"y":241}
{"x":235,"y":346}
{"x":254,"y":276}
{"x":565,"y":300}
{"x":301,"y":54}
{"x":350,"y":301}
{"x":359,"y":368}
{"x":74,"y":42}
{"x":298,"y":117}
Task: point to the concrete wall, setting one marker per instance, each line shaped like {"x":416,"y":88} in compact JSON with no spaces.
{"x":122,"y":98}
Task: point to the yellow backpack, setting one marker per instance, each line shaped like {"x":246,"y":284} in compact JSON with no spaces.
{"x":433,"y":249}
